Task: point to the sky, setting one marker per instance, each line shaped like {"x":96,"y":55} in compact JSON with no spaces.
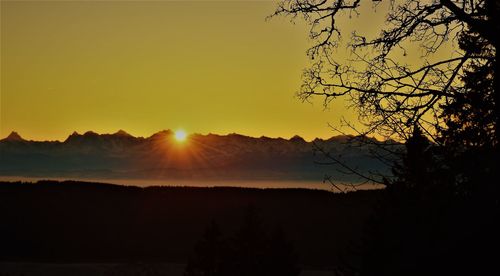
{"x":144,"y":66}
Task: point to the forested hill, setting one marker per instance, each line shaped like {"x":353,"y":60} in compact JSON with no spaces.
{"x":81,"y":222}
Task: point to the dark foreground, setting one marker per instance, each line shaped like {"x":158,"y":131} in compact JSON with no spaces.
{"x":78,"y":222}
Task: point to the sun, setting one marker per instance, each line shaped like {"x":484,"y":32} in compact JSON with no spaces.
{"x":180,"y":135}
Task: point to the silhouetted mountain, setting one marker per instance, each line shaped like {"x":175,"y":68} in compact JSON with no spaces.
{"x":13,"y":137}
{"x":160,"y":156}
{"x":122,"y":133}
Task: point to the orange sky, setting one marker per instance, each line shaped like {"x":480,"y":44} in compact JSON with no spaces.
{"x":144,"y":66}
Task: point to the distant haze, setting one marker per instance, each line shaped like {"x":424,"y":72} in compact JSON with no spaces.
{"x":200,"y":160}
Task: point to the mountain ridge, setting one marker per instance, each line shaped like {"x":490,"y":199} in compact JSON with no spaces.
{"x":200,"y":157}
{"x":14,"y":135}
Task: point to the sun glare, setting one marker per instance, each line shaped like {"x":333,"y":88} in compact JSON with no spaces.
{"x":180,"y":135}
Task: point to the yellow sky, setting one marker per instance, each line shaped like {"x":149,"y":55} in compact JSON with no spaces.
{"x":144,"y":66}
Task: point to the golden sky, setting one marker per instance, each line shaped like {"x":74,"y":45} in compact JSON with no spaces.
{"x":143,"y":66}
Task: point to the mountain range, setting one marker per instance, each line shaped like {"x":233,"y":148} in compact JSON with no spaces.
{"x":216,"y":157}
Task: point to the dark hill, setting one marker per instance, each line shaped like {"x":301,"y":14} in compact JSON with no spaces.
{"x":81,"y":222}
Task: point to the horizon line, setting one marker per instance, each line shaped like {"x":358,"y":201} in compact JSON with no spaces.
{"x":123,"y":132}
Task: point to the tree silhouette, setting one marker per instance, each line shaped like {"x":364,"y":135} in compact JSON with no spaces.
{"x":390,"y":93}
{"x":282,"y":258}
{"x":442,"y":205}
{"x":420,"y":226}
{"x":453,"y":98}
{"x":207,"y":258}
{"x":414,"y":169}
{"x":468,"y":138}
{"x":469,"y":117}
{"x":253,"y":250}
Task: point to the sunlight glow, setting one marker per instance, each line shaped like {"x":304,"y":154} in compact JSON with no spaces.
{"x":180,"y":135}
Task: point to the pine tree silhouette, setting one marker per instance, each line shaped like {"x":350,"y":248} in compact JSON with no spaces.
{"x":281,"y":256}
{"x":207,"y":258}
{"x":251,"y":251}
{"x":414,"y":170}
